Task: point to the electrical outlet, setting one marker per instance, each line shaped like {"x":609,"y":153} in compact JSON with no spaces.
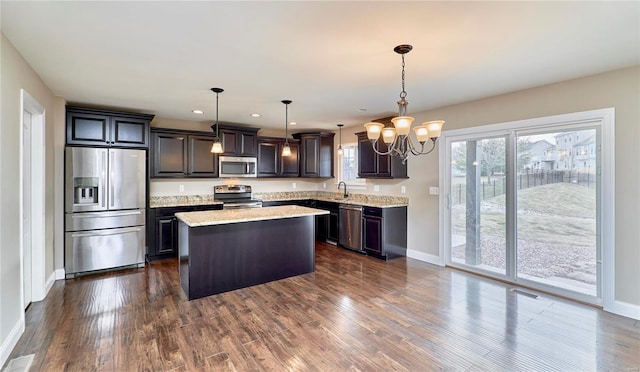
{"x":434,"y":190}
{"x":403,"y":189}
{"x":181,"y":188}
{"x":294,"y":185}
{"x":376,"y":187}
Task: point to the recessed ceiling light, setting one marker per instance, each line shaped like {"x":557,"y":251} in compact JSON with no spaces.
{"x":255,"y":115}
{"x":292,"y":123}
{"x":362,"y":109}
{"x":199,"y":112}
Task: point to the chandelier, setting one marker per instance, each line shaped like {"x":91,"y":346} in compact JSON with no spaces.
{"x":397,"y":138}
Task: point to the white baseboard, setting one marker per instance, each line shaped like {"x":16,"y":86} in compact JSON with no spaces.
{"x":49,"y":283}
{"x":625,"y":309}
{"x":425,"y":257}
{"x":59,"y":274}
{"x":12,"y":340}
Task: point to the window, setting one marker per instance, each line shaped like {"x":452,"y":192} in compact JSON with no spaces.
{"x":348,"y":164}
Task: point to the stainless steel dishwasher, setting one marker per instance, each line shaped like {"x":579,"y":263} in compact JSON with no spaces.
{"x":350,"y":232}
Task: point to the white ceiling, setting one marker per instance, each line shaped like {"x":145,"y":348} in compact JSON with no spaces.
{"x":330,"y":58}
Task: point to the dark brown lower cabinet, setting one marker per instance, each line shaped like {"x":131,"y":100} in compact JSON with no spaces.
{"x":384,"y":232}
{"x":327,"y":225}
{"x":162,"y":230}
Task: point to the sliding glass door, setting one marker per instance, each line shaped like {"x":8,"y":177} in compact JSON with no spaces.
{"x":523,"y":205}
{"x":478,"y":214}
{"x":556,"y":192}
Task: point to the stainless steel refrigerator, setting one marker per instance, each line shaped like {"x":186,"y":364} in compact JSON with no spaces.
{"x":105,"y":202}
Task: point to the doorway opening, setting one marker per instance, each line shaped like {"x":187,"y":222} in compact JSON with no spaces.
{"x":32,"y":187}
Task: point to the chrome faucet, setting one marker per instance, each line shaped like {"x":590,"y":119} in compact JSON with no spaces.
{"x":345,"y":189}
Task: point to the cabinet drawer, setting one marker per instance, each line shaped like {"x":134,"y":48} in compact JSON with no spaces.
{"x":103,"y":249}
{"x":103,"y":220}
{"x":372,"y":211}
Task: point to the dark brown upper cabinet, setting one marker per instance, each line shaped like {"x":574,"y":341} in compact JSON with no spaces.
{"x":271,"y":163}
{"x":239,"y":141}
{"x":316,"y":154}
{"x":95,"y":127}
{"x":372,"y":165}
{"x":180,"y":154}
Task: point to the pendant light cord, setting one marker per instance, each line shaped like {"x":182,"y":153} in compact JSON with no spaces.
{"x":286,"y":124}
{"x":217,"y":133}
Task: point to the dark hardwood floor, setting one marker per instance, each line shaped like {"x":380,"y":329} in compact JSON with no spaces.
{"x":353,"y":313}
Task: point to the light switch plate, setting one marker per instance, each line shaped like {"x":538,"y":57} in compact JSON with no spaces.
{"x":181,"y":188}
{"x":403,"y":189}
{"x":294,"y":185}
{"x":434,"y":190}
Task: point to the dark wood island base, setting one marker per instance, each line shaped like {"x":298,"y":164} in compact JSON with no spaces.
{"x":222,"y":257}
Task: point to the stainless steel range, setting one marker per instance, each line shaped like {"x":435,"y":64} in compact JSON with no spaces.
{"x":236,"y":197}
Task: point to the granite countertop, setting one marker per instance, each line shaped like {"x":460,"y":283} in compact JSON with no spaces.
{"x":379,"y":201}
{"x":181,"y":201}
{"x":226,"y":216}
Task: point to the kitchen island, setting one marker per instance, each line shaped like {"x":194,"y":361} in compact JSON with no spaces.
{"x":223,"y":250}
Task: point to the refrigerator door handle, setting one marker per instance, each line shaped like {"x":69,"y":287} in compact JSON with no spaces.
{"x":106,"y":232}
{"x":112,"y":196}
{"x":102,"y":194}
{"x":105,"y":214}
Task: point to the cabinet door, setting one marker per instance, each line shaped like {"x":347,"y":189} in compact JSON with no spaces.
{"x":202,"y":163}
{"x":169,"y":155}
{"x":87,"y":129}
{"x":230,"y":141}
{"x":310,"y":166}
{"x":248,"y":144}
{"x":332,"y":229}
{"x":322,"y":227}
{"x":290,"y":165}
{"x":129,"y":132}
{"x":268,"y":158}
{"x":372,"y":234}
{"x":167,"y":235}
{"x":367,"y":158}
{"x":325,"y":160}
{"x":383,"y":161}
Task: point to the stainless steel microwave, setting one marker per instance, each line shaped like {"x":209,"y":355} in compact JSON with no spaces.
{"x":235,"y":166}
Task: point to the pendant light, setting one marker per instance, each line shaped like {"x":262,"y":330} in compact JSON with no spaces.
{"x":340,"y":151}
{"x":217,"y":145}
{"x":397,"y":138}
{"x":286,"y":150}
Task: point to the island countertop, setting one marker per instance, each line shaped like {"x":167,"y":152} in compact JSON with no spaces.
{"x":226,"y":216}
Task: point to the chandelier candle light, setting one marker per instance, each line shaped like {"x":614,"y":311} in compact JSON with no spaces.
{"x":398,"y":137}
{"x":286,"y":150}
{"x":217,"y":145}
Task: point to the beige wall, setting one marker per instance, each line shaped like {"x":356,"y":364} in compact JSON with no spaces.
{"x":16,"y":75}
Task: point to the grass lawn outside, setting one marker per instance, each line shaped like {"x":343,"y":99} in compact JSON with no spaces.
{"x":556,"y":234}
